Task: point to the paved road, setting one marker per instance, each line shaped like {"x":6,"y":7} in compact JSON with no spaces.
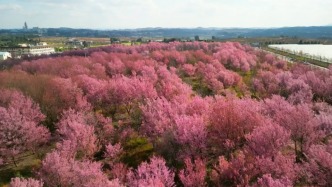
{"x":290,"y":60}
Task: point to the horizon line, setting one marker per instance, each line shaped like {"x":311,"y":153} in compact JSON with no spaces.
{"x":143,"y":28}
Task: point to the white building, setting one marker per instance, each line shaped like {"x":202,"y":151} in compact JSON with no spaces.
{"x":42,"y":44}
{"x":5,"y":56}
{"x":17,"y":52}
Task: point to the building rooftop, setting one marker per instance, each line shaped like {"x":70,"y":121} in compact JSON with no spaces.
{"x":3,"y":53}
{"x":27,"y":47}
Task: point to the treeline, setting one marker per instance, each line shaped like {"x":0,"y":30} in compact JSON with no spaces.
{"x":9,"y":40}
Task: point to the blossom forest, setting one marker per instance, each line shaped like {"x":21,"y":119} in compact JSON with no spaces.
{"x":165,"y":114}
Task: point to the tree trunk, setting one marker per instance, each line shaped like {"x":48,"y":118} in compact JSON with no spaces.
{"x":14,"y":161}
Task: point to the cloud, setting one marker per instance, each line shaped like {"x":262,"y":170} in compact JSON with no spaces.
{"x":10,"y":7}
{"x":166,"y":13}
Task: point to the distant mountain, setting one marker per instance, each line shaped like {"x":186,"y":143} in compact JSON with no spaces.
{"x":301,"y":32}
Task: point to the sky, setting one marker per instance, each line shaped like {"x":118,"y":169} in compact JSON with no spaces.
{"x":129,"y":14}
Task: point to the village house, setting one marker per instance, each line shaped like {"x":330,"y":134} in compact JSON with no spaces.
{"x":5,"y":56}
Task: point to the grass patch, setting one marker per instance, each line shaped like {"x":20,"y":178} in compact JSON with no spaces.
{"x":26,"y":167}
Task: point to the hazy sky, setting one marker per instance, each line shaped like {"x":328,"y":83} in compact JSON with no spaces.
{"x":114,"y":14}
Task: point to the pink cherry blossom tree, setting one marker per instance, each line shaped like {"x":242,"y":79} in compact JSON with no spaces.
{"x":267,"y":140}
{"x":230,"y":121}
{"x":154,"y":173}
{"x":29,"y":182}
{"x":74,"y":127}
{"x":299,"y":120}
{"x":58,"y":170}
{"x":191,"y":134}
{"x":268,"y":181}
{"x":20,"y":128}
{"x":194,"y":174}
